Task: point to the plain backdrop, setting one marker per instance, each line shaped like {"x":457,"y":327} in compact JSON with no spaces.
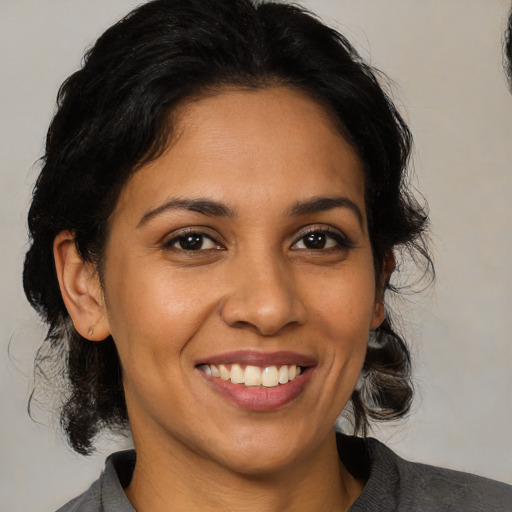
{"x":444,"y":58}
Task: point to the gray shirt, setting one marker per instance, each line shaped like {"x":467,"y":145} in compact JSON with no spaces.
{"x":392,"y":484}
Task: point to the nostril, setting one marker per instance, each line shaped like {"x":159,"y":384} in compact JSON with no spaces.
{"x":240,"y":324}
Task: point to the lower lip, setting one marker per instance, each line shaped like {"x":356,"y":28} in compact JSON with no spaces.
{"x":260,"y":398}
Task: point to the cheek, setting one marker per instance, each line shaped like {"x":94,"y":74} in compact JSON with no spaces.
{"x":344,"y":312}
{"x":346,"y":303}
{"x":147,"y":298}
{"x":152,"y":316}
{"x":152,"y":330}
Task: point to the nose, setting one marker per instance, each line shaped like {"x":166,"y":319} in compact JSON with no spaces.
{"x":263,"y":297}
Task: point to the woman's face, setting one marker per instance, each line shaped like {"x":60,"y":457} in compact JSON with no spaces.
{"x":242,"y":251}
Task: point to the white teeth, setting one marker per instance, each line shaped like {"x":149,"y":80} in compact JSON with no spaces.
{"x":269,"y":376}
{"x":224,"y":372}
{"x":283,"y":374}
{"x":206,"y":369}
{"x":237,"y":374}
{"x":252,"y":376}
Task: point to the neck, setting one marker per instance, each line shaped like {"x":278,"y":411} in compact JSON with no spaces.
{"x":175,"y":479}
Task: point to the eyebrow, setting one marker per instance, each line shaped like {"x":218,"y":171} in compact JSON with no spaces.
{"x":322,"y":204}
{"x":203,"y":206}
{"x":212,"y":208}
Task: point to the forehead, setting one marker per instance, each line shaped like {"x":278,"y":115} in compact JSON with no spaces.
{"x":276,"y":145}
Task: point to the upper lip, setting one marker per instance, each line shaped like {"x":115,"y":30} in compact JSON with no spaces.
{"x":257,"y":358}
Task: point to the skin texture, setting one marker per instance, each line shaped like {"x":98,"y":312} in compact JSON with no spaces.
{"x":252,"y":283}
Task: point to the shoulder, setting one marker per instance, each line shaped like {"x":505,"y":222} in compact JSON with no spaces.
{"x":89,"y":501}
{"x":107,"y":493}
{"x":433,"y":487}
{"x":396,"y":484}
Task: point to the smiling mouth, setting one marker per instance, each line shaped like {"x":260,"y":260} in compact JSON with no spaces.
{"x":253,"y":376}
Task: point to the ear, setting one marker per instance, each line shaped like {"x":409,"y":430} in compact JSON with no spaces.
{"x":80,"y":288}
{"x":388,"y":266}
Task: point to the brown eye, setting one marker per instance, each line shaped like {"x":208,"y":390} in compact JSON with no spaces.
{"x":315,"y":241}
{"x":320,"y":240}
{"x":192,"y":242}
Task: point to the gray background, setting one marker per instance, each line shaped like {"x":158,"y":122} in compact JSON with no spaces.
{"x":445,"y":59}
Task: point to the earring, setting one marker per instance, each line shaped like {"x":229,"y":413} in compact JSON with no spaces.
{"x":91,"y":330}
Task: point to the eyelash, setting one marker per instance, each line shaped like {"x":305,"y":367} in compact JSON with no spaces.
{"x":182,"y":235}
{"x":341,"y":241}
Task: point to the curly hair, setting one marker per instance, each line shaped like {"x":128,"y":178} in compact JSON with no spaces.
{"x":507,"y":46}
{"x":113,"y":116}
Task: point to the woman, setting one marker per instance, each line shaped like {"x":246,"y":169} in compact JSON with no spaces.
{"x":213,"y":232}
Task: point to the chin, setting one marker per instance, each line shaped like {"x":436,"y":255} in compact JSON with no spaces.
{"x":261,"y":462}
{"x":263,"y":452}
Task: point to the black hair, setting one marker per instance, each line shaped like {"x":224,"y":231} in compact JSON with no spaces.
{"x":508,"y":49}
{"x":113,"y":116}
